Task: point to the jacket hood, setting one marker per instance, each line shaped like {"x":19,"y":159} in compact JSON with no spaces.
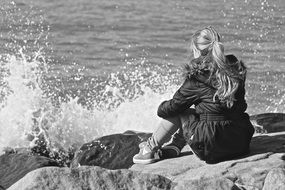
{"x":199,"y":70}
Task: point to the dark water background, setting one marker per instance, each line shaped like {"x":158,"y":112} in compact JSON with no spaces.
{"x":106,"y":65}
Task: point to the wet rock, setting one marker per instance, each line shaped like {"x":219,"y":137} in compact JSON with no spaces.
{"x":112,"y":151}
{"x":268,"y":122}
{"x":90,"y":177}
{"x":15,"y":166}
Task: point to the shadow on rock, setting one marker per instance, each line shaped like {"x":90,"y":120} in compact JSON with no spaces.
{"x":274,"y":142}
{"x":272,"y":137}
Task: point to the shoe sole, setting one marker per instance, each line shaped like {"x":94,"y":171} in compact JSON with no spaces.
{"x":148,"y":161}
{"x":173,"y":148}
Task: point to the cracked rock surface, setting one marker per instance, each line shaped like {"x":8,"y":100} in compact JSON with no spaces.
{"x":90,"y":177}
{"x":263,"y":168}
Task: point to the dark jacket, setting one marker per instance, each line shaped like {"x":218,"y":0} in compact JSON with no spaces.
{"x":226,"y":133}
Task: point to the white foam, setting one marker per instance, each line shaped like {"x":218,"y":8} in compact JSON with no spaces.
{"x":28,"y":114}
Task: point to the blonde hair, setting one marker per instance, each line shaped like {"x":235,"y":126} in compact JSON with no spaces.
{"x":227,"y":73}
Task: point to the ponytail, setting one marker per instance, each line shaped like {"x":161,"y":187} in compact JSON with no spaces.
{"x":218,"y":53}
{"x":228,"y":73}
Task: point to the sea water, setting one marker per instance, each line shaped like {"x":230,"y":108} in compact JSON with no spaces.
{"x":72,"y":71}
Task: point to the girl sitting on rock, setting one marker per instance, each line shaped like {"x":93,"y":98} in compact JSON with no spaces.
{"x":218,"y":128}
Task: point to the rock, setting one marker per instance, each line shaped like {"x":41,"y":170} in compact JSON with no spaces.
{"x":249,"y":172}
{"x":90,"y":177}
{"x":268,"y":122}
{"x":15,"y":166}
{"x":112,"y":151}
{"x":262,"y":168}
{"x":208,"y":184}
{"x":264,"y":143}
{"x":275,"y":180}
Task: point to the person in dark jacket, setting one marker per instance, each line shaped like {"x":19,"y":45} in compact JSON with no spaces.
{"x":218,"y":128}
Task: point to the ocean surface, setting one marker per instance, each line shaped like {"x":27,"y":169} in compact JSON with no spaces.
{"x":74,"y":70}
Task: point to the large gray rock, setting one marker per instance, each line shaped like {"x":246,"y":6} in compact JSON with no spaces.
{"x":113,"y":151}
{"x":267,"y":152}
{"x":207,"y":184}
{"x":275,"y":180}
{"x":14,"y":166}
{"x":253,"y":171}
{"x":90,"y":177}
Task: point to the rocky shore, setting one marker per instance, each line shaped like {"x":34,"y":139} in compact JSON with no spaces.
{"x":106,"y":163}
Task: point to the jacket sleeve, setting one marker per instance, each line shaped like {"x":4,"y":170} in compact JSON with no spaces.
{"x":185,"y":96}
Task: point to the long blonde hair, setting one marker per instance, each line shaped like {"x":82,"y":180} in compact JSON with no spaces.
{"x":227,"y":73}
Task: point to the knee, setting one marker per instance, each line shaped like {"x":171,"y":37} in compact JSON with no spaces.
{"x":171,"y":121}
